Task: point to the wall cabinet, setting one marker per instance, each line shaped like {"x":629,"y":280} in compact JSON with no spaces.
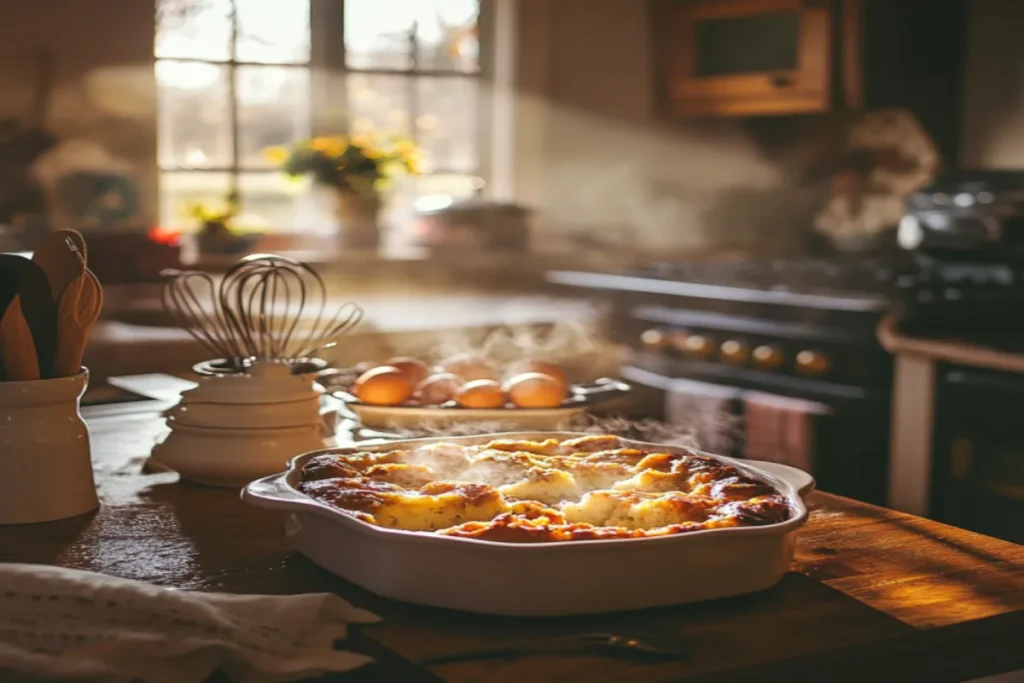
{"x":746,"y":57}
{"x":796,"y":57}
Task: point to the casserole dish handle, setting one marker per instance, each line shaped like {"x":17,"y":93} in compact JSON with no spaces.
{"x":269,"y":491}
{"x":798,"y":479}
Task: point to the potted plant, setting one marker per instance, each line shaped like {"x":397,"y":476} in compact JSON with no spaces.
{"x":356,"y":169}
{"x":215,"y":234}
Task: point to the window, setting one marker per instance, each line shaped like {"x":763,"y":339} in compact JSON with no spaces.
{"x":237,"y":76}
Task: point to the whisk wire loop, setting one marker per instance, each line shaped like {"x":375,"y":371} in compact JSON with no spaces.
{"x":266,"y":307}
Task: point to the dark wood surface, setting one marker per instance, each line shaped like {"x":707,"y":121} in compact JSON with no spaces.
{"x":873,"y":595}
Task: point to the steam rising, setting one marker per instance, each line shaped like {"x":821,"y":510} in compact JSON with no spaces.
{"x":692,"y":435}
{"x":585,"y":353}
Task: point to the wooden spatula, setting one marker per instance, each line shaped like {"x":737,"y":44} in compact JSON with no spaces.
{"x":76,"y":317}
{"x":62,"y":257}
{"x":37,"y":310}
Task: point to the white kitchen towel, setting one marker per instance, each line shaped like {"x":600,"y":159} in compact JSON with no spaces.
{"x":781,"y":429}
{"x":66,"y":625}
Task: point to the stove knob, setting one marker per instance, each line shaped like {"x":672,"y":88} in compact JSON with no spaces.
{"x":734,"y":352}
{"x":768,"y":357}
{"x":677,"y":340}
{"x":654,"y":340}
{"x":698,"y":346}
{"x":812,"y":363}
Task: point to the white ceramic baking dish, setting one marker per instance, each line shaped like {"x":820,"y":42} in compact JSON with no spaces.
{"x":544,"y":579}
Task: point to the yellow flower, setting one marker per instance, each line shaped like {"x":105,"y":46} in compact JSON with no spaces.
{"x":362,"y":140}
{"x":331,"y":146}
{"x":276,"y":155}
{"x":412,"y":164}
{"x":405,"y":148}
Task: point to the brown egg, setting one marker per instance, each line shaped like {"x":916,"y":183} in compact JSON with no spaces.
{"x":481,"y":393}
{"x":438,"y":389}
{"x":469,"y":367}
{"x":544,"y":367}
{"x":415,"y":370}
{"x":382,"y":386}
{"x":535,"y":390}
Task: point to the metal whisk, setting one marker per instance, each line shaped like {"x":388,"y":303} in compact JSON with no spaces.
{"x":258,"y":311}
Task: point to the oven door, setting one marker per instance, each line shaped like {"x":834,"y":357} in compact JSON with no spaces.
{"x":843,"y":443}
{"x":978,"y":476}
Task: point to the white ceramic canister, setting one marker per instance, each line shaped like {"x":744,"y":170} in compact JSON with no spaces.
{"x":231,"y":429}
{"x":45,"y":463}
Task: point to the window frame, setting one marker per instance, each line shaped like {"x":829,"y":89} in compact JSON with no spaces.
{"x":327,"y":67}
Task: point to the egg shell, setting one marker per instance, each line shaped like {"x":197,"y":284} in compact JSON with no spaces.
{"x":438,"y":388}
{"x":415,"y":369}
{"x":535,"y":390}
{"x":383,"y":386}
{"x":470,"y":367}
{"x":544,"y":367}
{"x":481,"y":393}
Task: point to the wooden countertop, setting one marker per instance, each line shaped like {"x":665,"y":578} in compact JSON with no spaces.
{"x":873,"y":594}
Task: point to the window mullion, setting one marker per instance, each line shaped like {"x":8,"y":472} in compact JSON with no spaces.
{"x":233,"y":94}
{"x":411,"y":84}
{"x":328,"y":100}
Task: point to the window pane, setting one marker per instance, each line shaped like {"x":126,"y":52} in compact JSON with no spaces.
{"x":379,"y":103}
{"x":179,"y":189}
{"x":273,"y":31}
{"x":446,"y":35}
{"x":446,"y":123}
{"x":272,"y":201}
{"x":273,"y":109}
{"x":377,"y":33}
{"x":196,"y":29}
{"x":195,"y":118}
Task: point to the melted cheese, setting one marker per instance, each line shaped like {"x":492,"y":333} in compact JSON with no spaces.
{"x":523,"y":491}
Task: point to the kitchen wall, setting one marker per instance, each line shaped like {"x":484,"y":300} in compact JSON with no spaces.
{"x":993,"y":135}
{"x":100,"y":100}
{"x":614,"y":173}
{"x":593,"y":155}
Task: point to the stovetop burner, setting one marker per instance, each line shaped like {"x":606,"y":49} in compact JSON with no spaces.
{"x":867,"y":278}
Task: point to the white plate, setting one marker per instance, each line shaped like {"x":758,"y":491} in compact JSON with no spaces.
{"x":543,"y":579}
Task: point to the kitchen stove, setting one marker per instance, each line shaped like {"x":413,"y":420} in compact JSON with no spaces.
{"x":744,"y":334}
{"x":801,"y":330}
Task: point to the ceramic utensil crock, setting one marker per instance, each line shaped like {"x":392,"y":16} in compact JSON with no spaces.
{"x":45,"y":465}
{"x":232,"y":429}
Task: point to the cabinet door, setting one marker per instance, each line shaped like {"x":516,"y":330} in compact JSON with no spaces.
{"x":747,"y":57}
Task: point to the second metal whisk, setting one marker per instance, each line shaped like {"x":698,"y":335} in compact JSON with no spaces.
{"x":259,"y":310}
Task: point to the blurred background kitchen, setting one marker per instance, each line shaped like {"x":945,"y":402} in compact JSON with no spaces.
{"x":793,"y":225}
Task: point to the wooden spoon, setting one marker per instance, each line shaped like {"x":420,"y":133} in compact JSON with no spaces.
{"x":77,"y":315}
{"x":38,"y":311}
{"x":62,"y":257}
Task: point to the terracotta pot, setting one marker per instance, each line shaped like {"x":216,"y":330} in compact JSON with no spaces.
{"x":358,"y":216}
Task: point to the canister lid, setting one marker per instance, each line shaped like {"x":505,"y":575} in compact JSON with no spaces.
{"x":263,"y":382}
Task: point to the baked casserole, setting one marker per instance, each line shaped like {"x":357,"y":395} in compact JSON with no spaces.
{"x":521,"y":491}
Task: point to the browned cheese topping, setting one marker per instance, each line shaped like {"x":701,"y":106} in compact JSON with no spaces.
{"x":533,"y":492}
